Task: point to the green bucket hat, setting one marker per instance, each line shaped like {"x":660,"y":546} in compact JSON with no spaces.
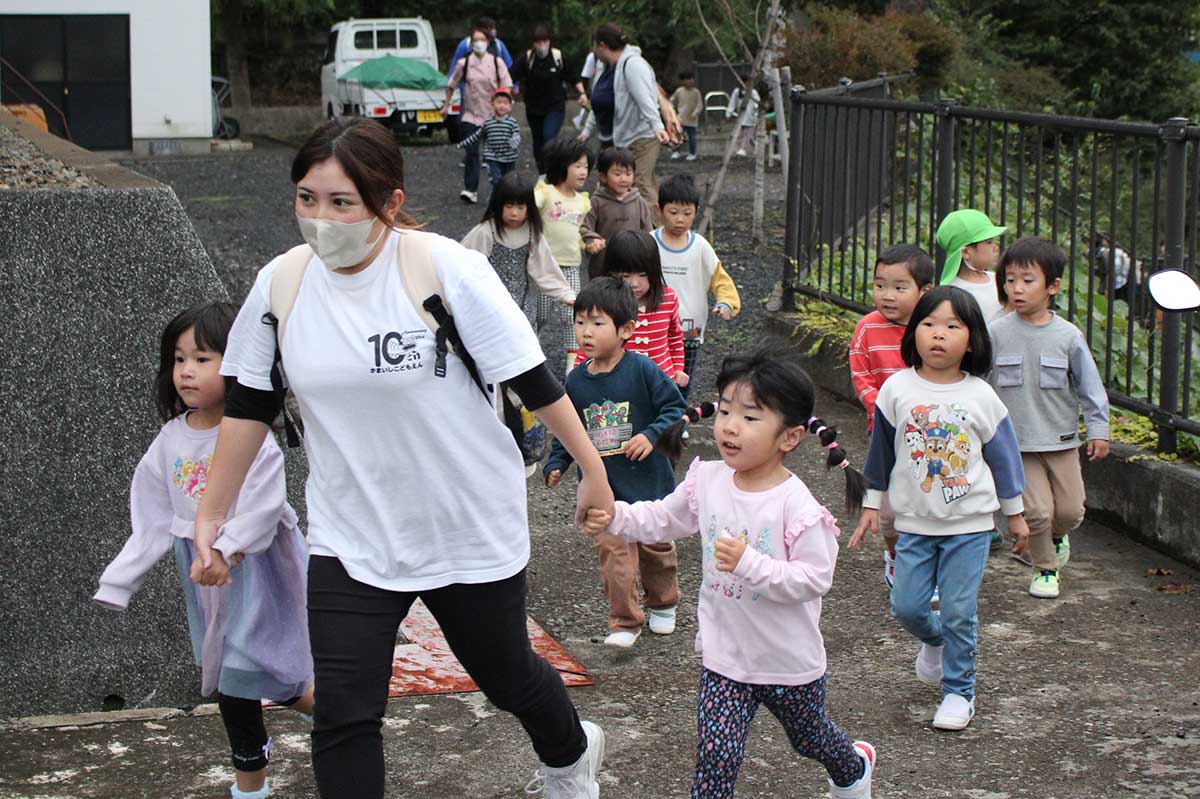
{"x":958,"y":229}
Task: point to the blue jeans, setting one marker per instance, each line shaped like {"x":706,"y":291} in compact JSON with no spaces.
{"x":497,"y":170}
{"x":954,"y":563}
{"x":544,"y":128}
{"x":470,"y":157}
{"x":690,"y":130}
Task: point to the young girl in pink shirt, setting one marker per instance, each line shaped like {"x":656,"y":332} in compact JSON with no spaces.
{"x":769,"y":550}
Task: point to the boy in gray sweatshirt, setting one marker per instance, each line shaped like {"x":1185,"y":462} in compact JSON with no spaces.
{"x":1044,"y":373}
{"x":616,"y":206}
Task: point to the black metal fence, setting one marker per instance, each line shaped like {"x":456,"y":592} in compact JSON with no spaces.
{"x":870,"y":171}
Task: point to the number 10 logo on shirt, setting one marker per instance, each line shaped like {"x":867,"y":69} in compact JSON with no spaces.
{"x":395,"y":352}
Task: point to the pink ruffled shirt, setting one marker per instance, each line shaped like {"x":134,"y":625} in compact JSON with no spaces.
{"x":760,"y":623}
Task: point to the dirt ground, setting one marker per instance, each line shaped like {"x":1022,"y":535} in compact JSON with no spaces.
{"x":1093,"y":695}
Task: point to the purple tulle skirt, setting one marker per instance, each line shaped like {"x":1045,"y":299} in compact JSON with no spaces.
{"x":250,"y":638}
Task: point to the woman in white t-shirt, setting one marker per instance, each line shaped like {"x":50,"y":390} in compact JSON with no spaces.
{"x":415,"y":488}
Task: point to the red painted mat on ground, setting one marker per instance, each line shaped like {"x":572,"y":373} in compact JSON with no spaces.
{"x":425,"y":665}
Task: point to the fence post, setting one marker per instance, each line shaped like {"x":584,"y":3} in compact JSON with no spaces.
{"x":944,"y":185}
{"x":793,"y":232}
{"x":1174,"y":134}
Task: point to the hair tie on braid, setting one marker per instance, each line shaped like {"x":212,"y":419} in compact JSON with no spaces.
{"x":844,"y":464}
{"x":831,"y":445}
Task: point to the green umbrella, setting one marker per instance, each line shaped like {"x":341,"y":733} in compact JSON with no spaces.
{"x":394,"y":72}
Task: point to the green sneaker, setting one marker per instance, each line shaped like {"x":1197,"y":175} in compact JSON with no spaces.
{"x":995,"y":540}
{"x":1062,"y":550}
{"x":1044,"y":585}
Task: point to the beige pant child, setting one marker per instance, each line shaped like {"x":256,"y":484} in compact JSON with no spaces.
{"x":621,"y":562}
{"x":1054,"y":501}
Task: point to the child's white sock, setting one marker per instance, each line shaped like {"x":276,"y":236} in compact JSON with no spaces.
{"x":261,"y":793}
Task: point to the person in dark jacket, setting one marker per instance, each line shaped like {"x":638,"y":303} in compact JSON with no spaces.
{"x":544,"y":77}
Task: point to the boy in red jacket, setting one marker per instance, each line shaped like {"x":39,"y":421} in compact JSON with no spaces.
{"x":903,"y":273}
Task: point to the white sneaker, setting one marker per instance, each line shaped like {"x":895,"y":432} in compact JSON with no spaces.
{"x":860,"y":788}
{"x":955,"y":712}
{"x":577,"y":781}
{"x":889,"y":568}
{"x":468,"y":196}
{"x":261,"y":793}
{"x":929,"y":664}
{"x":662,"y":621}
{"x":742,"y":152}
{"x":675,"y":156}
{"x":622,"y":639}
{"x":691,"y":157}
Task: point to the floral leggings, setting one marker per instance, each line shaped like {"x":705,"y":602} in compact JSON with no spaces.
{"x":726,"y":708}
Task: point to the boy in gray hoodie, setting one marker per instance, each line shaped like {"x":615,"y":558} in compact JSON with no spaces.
{"x":616,"y":206}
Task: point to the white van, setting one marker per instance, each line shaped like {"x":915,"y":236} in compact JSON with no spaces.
{"x":357,"y":40}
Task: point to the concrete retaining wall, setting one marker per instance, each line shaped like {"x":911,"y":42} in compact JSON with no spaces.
{"x":1148,"y":499}
{"x":88,"y":278}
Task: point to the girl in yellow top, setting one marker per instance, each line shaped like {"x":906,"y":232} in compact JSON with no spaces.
{"x":563,"y":205}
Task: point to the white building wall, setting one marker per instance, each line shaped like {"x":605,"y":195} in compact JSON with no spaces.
{"x":169,"y":60}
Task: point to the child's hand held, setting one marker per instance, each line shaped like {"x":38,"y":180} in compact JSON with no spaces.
{"x":597,"y":521}
{"x":728,"y":551}
{"x":869,"y":523}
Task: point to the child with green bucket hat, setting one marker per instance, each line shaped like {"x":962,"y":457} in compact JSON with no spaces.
{"x":969,"y":239}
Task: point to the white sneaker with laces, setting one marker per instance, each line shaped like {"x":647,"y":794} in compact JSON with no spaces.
{"x":577,"y":781}
{"x":860,"y":788}
{"x":622,"y":639}
{"x":955,"y":712}
{"x":468,"y":196}
{"x":929,"y":664}
{"x":662,"y":621}
{"x":691,"y":157}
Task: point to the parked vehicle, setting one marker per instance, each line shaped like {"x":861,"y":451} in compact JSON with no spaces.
{"x":356,"y":42}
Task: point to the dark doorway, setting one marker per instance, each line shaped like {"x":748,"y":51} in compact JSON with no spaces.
{"x":79,"y":63}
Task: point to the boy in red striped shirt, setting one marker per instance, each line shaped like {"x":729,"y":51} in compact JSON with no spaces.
{"x":903,"y":273}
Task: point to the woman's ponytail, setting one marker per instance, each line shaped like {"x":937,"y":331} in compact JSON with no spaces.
{"x":856,"y":484}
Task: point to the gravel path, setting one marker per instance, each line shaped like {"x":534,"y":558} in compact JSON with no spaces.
{"x":23,"y":166}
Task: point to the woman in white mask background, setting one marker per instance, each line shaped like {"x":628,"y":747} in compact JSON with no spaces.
{"x":415,"y":488}
{"x":480,"y":73}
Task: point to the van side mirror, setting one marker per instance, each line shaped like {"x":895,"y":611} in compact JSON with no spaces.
{"x":1174,"y":290}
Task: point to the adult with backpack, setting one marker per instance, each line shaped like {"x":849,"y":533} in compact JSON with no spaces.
{"x":634,"y":103}
{"x":415,"y":487}
{"x":480,"y":74}
{"x":544,"y":77}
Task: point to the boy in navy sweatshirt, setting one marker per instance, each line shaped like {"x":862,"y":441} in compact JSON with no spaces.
{"x":626,"y":403}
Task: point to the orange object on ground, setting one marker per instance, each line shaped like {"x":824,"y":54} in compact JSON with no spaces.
{"x":29,"y":113}
{"x":426,"y":665}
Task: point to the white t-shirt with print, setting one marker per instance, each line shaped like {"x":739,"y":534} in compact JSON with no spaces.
{"x":413,"y":481}
{"x":689,"y":271}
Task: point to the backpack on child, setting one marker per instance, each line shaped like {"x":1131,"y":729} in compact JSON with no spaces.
{"x":414,"y":260}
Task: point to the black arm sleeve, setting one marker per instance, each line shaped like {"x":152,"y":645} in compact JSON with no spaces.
{"x":537,"y":388}
{"x":244,"y":402}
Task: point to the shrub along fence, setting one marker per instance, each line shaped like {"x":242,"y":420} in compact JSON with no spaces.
{"x":870,"y":171}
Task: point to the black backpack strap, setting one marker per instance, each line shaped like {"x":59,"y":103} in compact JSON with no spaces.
{"x":279,"y":385}
{"x":447,"y":336}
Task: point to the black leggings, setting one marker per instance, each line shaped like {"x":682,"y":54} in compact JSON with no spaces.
{"x":247,"y":734}
{"x":352,"y":627}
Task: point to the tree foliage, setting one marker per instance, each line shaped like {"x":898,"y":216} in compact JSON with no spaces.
{"x":1113,"y":58}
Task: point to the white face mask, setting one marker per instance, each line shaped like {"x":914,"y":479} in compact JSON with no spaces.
{"x":479,"y":47}
{"x":339,"y":244}
{"x":542,"y":50}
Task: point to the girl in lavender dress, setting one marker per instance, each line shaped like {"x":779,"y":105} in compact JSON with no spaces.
{"x":249,"y":636}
